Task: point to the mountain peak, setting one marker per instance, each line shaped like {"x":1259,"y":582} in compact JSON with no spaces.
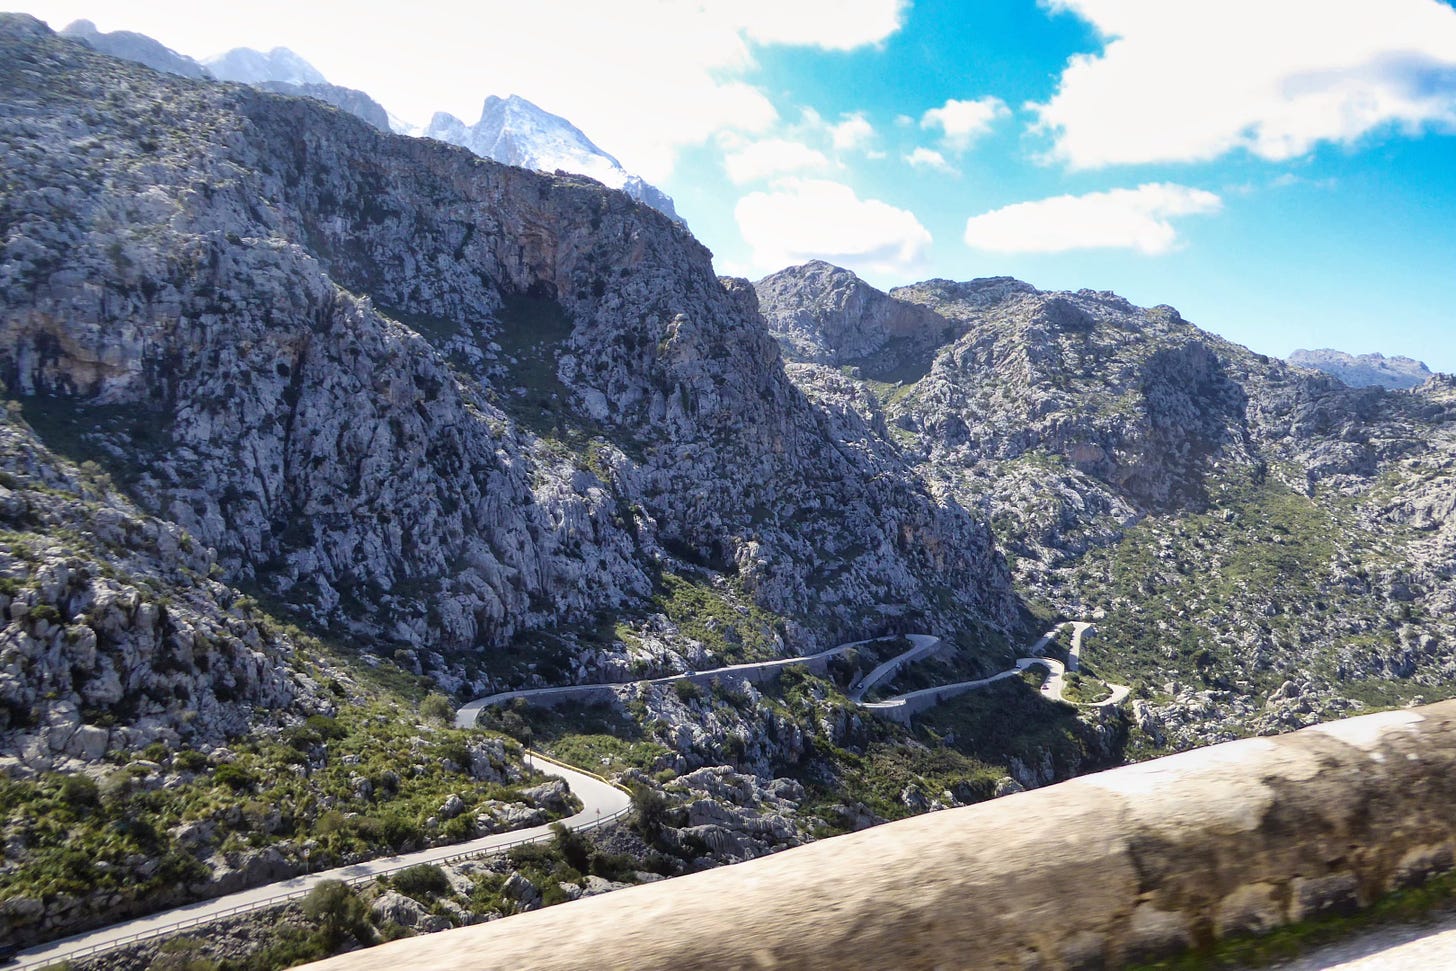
{"x":1364,"y":370}
{"x":825,"y":314}
{"x":132,"y":46}
{"x":248,"y":66}
{"x":516,"y":131}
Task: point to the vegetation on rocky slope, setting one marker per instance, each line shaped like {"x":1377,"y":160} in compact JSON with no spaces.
{"x":1261,"y":546}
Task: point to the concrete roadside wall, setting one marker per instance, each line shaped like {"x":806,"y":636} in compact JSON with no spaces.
{"x":903,"y":708}
{"x":1127,"y":864}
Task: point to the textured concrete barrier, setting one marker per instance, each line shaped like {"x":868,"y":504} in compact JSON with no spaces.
{"x":1118,"y":866}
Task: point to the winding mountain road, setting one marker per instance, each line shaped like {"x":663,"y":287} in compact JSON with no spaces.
{"x":601,"y":803}
{"x":901,"y":707}
{"x":921,"y":645}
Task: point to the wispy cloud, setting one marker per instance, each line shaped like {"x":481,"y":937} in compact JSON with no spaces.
{"x":929,"y":158}
{"x":962,"y":122}
{"x":1134,"y":219}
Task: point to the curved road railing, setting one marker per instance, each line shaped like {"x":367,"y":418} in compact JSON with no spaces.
{"x":469,"y":713}
{"x":600,"y":810}
{"x":899,"y":707}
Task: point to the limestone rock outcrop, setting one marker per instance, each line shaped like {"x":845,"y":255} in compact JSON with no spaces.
{"x":1180,"y":488}
{"x":430,"y":400}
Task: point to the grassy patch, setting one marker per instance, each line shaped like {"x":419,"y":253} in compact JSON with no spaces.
{"x":1083,"y":689}
{"x":725,"y":622}
{"x":1010,"y":719}
{"x":361,"y":784}
{"x":1170,"y":583}
{"x":598,"y":738}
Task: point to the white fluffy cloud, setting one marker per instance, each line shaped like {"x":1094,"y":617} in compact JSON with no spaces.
{"x":643,"y":78}
{"x":805,"y":219}
{"x":770,"y":157}
{"x":1135,"y":219}
{"x":1193,"y":80}
{"x":852,"y":133}
{"x":831,"y":24}
{"x":963,"y":122}
{"x":928,"y":158}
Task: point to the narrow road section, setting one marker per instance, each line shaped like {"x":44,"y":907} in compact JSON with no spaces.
{"x":902,"y":707}
{"x":601,"y":803}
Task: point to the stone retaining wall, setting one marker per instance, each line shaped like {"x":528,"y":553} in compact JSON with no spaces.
{"x":1123,"y":865}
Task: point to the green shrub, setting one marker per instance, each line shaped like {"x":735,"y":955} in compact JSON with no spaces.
{"x":79,"y":790}
{"x":46,"y":612}
{"x":235,"y":778}
{"x":649,"y":806}
{"x":334,"y":907}
{"x":437,"y":708}
{"x":421,"y":882}
{"x":325,"y":727}
{"x":182,"y":954}
{"x":190,"y":760}
{"x":539,"y":855}
{"x":572,"y":846}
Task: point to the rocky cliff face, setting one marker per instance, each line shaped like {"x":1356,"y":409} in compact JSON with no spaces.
{"x":425,"y":398}
{"x":352,"y":100}
{"x":1286,"y":532}
{"x":115,"y":633}
{"x":822,"y":314}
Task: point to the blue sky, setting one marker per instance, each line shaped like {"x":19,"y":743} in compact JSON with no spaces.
{"x":1281,"y":171}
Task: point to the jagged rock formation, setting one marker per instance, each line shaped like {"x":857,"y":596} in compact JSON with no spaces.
{"x":1365,"y":370}
{"x":516,"y":132}
{"x":822,"y":314}
{"x":428,"y":399}
{"x":132,"y":46}
{"x":114,"y":634}
{"x":1201,"y":495}
{"x":352,"y":100}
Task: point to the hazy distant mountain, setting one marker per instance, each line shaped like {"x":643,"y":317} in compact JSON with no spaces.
{"x":284,"y":72}
{"x":352,"y":100}
{"x":1365,"y":370}
{"x":247,"y":66}
{"x":515,"y":131}
{"x":136,"y":47}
